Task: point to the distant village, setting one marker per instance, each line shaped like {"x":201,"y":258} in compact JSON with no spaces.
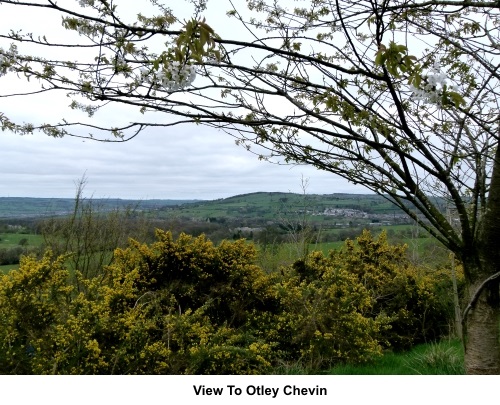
{"x":376,"y":219}
{"x":382,"y":219}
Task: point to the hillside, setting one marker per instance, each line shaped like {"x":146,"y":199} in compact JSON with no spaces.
{"x":264,"y":217}
{"x":264,"y":207}
{"x":23,"y":207}
{"x":255,"y":209}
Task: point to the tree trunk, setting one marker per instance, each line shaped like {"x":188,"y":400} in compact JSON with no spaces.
{"x":482,"y":348}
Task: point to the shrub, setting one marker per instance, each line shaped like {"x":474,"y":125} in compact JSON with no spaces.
{"x":223,"y":278}
{"x":418,"y":302}
{"x":187,"y":306}
{"x":172,"y":307}
{"x":326,"y":315}
{"x":33,"y":300}
{"x":11,"y":255}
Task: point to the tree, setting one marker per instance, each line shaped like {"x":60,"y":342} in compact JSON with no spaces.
{"x":90,"y":234}
{"x":399,"y":96}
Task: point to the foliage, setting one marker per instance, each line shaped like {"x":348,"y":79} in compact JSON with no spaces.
{"x":198,"y":273}
{"x":326,"y":316}
{"x":12,"y":255}
{"x":401,"y":97}
{"x":187,"y":306}
{"x":33,"y":302}
{"x":174,"y":307}
{"x":89,"y":235}
{"x":418,"y":302}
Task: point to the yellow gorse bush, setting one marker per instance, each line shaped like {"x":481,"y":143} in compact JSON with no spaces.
{"x":187,"y":306}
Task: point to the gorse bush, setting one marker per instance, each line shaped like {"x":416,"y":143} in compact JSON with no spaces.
{"x":418,"y":302}
{"x":187,"y":306}
{"x":171,"y":307}
{"x":223,"y":278}
{"x":327,"y":314}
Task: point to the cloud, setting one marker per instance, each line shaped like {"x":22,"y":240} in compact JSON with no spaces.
{"x":183,"y":162}
{"x":171,"y":162}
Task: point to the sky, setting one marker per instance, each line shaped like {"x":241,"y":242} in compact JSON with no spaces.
{"x":182,"y":162}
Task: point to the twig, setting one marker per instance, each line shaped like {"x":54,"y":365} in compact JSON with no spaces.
{"x":142,"y":296}
{"x":476,"y":295}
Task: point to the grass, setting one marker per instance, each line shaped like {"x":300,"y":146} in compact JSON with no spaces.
{"x":8,"y":267}
{"x":443,"y":358}
{"x":9,"y":240}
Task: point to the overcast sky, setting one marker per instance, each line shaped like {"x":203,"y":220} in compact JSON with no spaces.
{"x":170,"y":163}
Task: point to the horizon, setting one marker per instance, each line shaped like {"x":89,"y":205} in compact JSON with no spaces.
{"x":189,"y":199}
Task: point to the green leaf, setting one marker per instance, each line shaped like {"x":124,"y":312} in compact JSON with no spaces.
{"x":204,"y":37}
{"x":86,"y":87}
{"x":179,"y":55}
{"x":379,"y":59}
{"x":456,"y":98}
{"x":454,"y":160}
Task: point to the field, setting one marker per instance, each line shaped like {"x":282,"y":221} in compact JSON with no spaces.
{"x":17,"y":207}
{"x":8,"y":267}
{"x":275,"y":254}
{"x":264,"y":218}
{"x":8,"y":240}
{"x":256,"y":205}
{"x":13,"y":244}
{"x":267,"y":205}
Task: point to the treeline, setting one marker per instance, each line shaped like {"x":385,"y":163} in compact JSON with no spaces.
{"x":13,"y":255}
{"x":113,"y":228}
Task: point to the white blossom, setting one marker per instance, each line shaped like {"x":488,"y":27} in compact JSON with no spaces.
{"x":85,"y":3}
{"x":3,"y":69}
{"x":432,"y":88}
{"x":176,"y":77}
{"x":172,"y":77}
{"x":7,"y":58}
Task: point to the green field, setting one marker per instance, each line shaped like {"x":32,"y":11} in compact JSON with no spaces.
{"x":8,"y":267}
{"x":9,"y":240}
{"x":20,"y":243}
{"x":21,"y":207}
{"x":275,"y":255}
{"x":260,"y":205}
{"x":267,"y":205}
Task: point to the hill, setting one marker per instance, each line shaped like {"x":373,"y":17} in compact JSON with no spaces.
{"x":254,"y":209}
{"x":273,"y":207}
{"x":25,"y":207}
